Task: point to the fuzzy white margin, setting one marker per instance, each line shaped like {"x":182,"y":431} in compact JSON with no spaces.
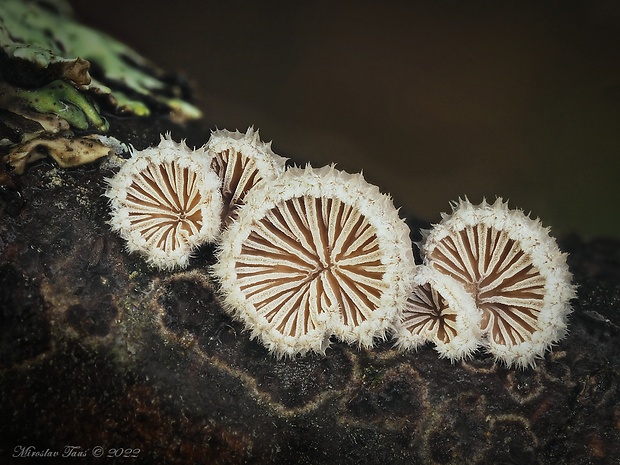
{"x":351,"y":189}
{"x":269,"y":164}
{"x":166,"y":152}
{"x":546,"y":257}
{"x":468,"y":334}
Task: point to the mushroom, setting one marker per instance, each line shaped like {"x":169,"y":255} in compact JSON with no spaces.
{"x":241,"y":161}
{"x":165,"y":202}
{"x":439,"y":310}
{"x":315,"y":253}
{"x":513,"y":269}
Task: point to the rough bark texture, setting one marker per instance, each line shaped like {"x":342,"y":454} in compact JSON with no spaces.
{"x":97,"y":349}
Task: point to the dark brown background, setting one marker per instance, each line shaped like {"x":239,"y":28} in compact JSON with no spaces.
{"x":433,"y":100}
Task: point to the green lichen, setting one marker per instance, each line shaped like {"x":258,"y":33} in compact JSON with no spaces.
{"x":62,"y":99}
{"x":45,"y":35}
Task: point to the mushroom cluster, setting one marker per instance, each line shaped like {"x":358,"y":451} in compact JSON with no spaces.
{"x":306,"y":254}
{"x":167,"y":201}
{"x":512,"y":286}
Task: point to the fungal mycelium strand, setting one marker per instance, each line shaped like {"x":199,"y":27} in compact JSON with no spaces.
{"x":441,"y":311}
{"x":165,"y":202}
{"x":515,"y":272}
{"x":241,"y":161}
{"x":315,"y":253}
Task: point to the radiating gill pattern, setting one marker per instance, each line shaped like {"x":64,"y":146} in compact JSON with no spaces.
{"x":439,"y":310}
{"x":315,"y":253}
{"x":241,"y":161}
{"x":308,"y":256}
{"x":507,"y":288}
{"x":165,"y":202}
{"x":428,"y":316}
{"x":238,"y":174}
{"x":164,"y":205}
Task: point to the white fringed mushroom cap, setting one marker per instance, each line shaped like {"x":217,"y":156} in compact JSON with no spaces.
{"x":241,"y":161}
{"x":315,"y":253}
{"x":165,"y":202}
{"x":514,"y":270}
{"x":439,"y":310}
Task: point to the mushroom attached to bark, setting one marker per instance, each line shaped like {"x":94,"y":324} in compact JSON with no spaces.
{"x":241,"y":161}
{"x":515,"y":272}
{"x":165,"y":203}
{"x":439,"y":310}
{"x":315,"y":253}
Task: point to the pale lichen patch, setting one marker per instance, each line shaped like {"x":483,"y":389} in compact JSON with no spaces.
{"x":68,"y":152}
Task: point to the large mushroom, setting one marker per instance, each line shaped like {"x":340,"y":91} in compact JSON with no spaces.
{"x":315,"y":253}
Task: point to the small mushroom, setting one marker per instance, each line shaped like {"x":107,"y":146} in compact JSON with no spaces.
{"x":241,"y":161}
{"x":165,"y":202}
{"x":513,"y":269}
{"x":315,"y":253}
{"x":439,"y":310}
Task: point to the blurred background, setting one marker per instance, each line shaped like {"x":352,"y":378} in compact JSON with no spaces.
{"x":433,"y":100}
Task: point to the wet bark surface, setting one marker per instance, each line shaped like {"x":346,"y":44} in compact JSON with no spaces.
{"x":98,"y":349}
